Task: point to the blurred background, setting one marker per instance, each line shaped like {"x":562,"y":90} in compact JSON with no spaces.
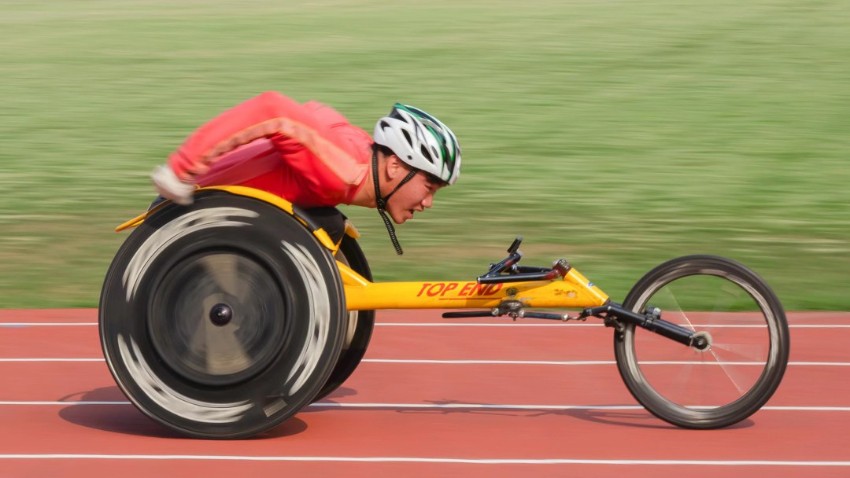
{"x":614,"y":133}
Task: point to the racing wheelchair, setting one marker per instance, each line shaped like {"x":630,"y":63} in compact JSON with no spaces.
{"x":226,"y":317}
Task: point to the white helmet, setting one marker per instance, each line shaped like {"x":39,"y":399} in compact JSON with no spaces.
{"x":421,"y":141}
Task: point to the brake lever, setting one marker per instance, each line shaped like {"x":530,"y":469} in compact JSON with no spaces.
{"x":514,"y":256}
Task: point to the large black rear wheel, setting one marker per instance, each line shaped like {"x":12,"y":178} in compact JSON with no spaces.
{"x":359,"y":324}
{"x":222,"y":319}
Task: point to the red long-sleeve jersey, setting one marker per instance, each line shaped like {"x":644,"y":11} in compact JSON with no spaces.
{"x":308,"y":154}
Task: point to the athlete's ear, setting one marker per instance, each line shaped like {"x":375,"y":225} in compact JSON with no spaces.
{"x":395,"y":167}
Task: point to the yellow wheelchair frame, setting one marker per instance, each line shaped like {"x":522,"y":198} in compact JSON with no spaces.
{"x":506,"y":289}
{"x":572,"y":291}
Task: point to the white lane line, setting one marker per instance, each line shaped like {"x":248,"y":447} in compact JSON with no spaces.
{"x":437,"y":460}
{"x":428,"y":406}
{"x":597,"y":324}
{"x":49,"y":360}
{"x":439,"y":324}
{"x":479,"y":362}
{"x":591,"y":362}
{"x":487,"y":406}
{"x":47,"y":403}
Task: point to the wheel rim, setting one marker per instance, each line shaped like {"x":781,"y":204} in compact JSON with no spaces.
{"x":218,"y":318}
{"x":732,"y":368}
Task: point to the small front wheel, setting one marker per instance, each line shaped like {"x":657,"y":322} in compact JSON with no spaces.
{"x":732,"y":310}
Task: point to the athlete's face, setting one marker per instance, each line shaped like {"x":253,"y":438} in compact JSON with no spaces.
{"x":413,"y":196}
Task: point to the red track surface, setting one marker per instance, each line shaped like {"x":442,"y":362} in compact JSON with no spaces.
{"x":408,"y":412}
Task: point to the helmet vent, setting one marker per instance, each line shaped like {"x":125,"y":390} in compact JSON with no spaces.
{"x":426,"y":153}
{"x":407,"y":137}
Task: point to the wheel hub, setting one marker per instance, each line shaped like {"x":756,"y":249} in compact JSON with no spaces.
{"x":701,"y":341}
{"x":221,"y":314}
{"x":218,"y":319}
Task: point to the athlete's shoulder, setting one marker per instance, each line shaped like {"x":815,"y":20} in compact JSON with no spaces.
{"x":326,"y":114}
{"x":345,"y":134}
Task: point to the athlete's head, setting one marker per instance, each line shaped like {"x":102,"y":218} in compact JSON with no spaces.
{"x":417,"y":151}
{"x":420,"y":140}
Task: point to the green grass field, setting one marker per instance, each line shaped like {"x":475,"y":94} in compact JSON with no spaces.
{"x":616,"y":134}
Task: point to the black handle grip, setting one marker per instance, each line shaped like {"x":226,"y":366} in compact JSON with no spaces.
{"x":515,"y":245}
{"x":468,"y":314}
{"x":546,"y":315}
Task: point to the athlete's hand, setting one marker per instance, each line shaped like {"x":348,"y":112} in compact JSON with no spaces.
{"x":170,"y":187}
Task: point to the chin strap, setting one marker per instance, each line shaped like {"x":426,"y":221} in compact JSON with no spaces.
{"x":381,"y":202}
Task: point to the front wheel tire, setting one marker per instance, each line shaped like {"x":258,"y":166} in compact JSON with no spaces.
{"x":729,"y":305}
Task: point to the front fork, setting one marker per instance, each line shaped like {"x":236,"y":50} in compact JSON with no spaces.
{"x":615,"y":315}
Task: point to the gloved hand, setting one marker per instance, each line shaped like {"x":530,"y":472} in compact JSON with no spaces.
{"x":170,"y":187}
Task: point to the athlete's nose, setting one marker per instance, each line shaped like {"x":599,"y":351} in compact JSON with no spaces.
{"x":428,"y":201}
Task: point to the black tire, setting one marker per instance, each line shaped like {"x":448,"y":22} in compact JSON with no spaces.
{"x":744,"y":320}
{"x":221,"y":319}
{"x":359,"y":324}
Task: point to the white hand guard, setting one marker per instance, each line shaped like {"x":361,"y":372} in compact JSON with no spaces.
{"x":170,"y":187}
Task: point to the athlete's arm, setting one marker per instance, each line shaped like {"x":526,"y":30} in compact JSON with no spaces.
{"x":265,"y":115}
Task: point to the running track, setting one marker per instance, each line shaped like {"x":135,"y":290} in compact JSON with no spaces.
{"x":434,"y":398}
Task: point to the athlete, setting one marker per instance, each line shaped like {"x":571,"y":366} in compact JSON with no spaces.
{"x":310,"y":155}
